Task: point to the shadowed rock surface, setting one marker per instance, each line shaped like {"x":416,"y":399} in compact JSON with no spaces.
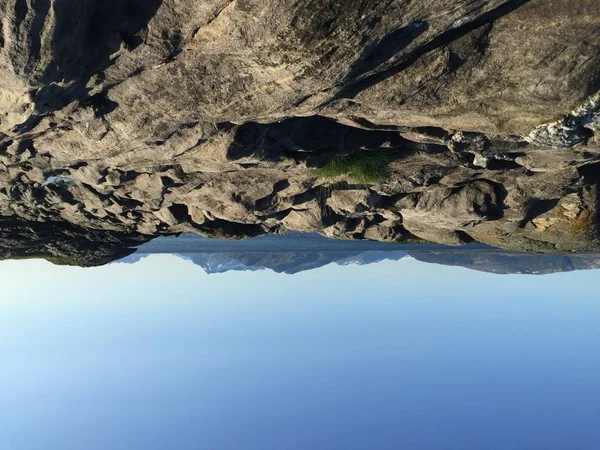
{"x":126,"y":120}
{"x":64,"y":244}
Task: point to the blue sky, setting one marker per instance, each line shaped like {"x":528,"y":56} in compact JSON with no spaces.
{"x":159,"y":355}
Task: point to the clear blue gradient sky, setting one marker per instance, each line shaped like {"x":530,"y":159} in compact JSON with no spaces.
{"x":394,"y":355}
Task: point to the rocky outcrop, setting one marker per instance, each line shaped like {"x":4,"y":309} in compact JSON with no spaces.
{"x":64,"y":244}
{"x":151,"y":117}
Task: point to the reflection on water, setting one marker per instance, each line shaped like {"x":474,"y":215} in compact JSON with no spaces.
{"x":370,"y":349}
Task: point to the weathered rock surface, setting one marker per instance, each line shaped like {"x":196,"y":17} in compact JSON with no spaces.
{"x":147,"y":117}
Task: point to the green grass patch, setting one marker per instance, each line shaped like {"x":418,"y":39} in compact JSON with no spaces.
{"x":362,"y":167}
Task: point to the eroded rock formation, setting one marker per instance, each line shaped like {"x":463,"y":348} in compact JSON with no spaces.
{"x":146,"y":117}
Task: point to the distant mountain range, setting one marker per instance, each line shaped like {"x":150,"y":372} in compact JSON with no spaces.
{"x":280,"y":262}
{"x":298,"y":253}
{"x":511,"y":263}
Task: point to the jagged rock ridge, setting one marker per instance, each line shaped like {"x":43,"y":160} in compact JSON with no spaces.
{"x":152,"y":117}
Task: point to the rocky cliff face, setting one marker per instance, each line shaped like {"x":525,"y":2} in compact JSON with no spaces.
{"x":144,"y":117}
